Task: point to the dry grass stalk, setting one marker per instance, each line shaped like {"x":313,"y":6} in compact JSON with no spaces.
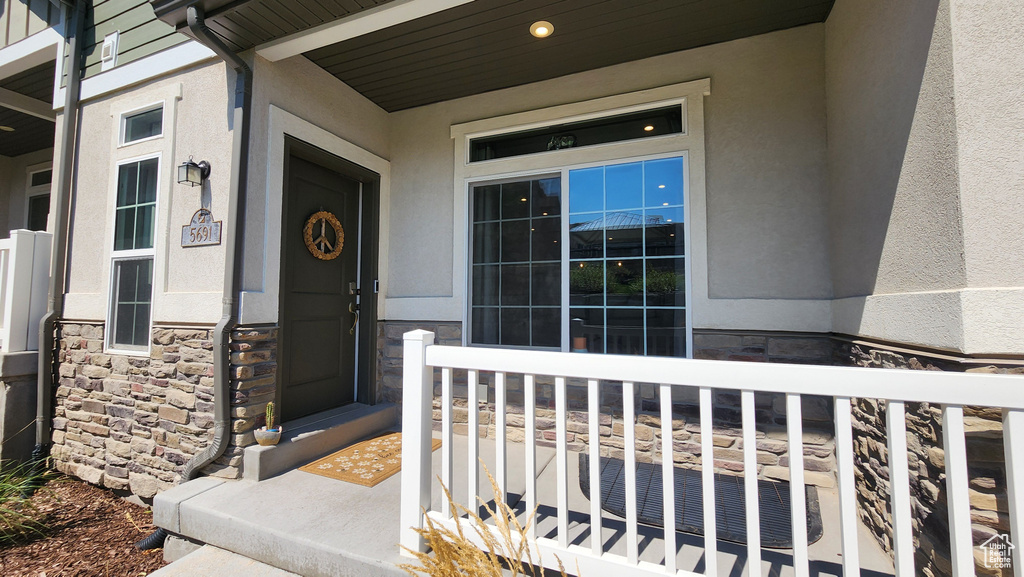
{"x":455,"y":555}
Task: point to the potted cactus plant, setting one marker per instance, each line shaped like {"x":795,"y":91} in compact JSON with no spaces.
{"x":268,"y":434}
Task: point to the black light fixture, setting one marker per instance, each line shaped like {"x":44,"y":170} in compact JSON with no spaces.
{"x":193,"y":174}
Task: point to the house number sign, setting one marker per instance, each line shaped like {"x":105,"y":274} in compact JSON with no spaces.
{"x":202,"y":231}
{"x":315,"y":235}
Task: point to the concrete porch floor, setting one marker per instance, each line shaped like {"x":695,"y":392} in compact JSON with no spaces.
{"x":316,"y":526}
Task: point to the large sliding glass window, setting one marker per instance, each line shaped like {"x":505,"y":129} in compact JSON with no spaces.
{"x":625,"y":269}
{"x":516,"y":276}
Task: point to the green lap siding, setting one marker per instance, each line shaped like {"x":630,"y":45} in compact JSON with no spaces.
{"x":141,"y":34}
{"x":20,"y":19}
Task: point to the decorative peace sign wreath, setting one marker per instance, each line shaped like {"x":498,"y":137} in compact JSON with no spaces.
{"x":316,"y":247}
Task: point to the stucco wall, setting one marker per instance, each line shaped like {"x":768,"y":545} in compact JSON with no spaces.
{"x":988,"y":53}
{"x":187,"y":281}
{"x":765,"y":137}
{"x":13,"y":185}
{"x":305,"y":90}
{"x":924,"y":173}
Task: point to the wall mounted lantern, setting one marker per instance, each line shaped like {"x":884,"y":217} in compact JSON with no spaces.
{"x":193,"y":174}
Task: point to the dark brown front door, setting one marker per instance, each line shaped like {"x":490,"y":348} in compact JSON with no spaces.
{"x":318,"y":343}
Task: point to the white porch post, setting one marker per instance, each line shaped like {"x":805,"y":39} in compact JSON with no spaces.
{"x":417,"y":395}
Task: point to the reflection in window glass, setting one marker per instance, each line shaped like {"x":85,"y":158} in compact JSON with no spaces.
{"x":38,"y":211}
{"x":627,"y":276}
{"x":42,"y":177}
{"x":143,"y":125}
{"x":516,"y":276}
{"x":133,"y":286}
{"x":136,"y":205}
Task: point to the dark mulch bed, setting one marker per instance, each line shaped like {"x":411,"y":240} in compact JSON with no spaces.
{"x":89,"y":532}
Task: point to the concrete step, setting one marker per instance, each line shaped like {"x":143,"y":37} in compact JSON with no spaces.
{"x":312,"y":437}
{"x":209,"y":560}
{"x":312,"y":525}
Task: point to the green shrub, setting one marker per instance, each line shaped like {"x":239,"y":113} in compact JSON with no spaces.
{"x":19,"y":517}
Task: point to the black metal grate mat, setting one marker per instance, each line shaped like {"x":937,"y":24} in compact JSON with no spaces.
{"x":730,"y":515}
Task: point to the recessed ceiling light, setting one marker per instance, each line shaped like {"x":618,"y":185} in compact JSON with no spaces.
{"x":542,"y":29}
{"x":661,"y":186}
{"x":648,"y":128}
{"x":7,"y":128}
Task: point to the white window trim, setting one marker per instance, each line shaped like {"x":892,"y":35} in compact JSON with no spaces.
{"x":134,"y":254}
{"x":689,"y":143}
{"x":122,"y":123}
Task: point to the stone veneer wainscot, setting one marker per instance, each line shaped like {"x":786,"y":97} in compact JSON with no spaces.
{"x":131,"y":422}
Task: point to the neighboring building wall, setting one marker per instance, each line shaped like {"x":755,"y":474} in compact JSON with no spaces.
{"x":13,"y":186}
{"x":766,"y":181}
{"x":20,"y":19}
{"x":128,"y":422}
{"x":17,"y":405}
{"x":985,"y":460}
{"x":141,"y":34}
{"x":924,"y":173}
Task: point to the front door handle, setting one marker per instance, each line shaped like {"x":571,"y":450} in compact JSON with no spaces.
{"x":354,"y":309}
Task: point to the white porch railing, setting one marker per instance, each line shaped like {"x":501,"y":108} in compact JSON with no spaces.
{"x":24,"y":280}
{"x":951,"y":390}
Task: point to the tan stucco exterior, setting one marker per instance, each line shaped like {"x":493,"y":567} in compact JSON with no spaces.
{"x":924,"y":173}
{"x":856,"y":192}
{"x":14,"y":184}
{"x":187,"y":281}
{"x":765,"y":134}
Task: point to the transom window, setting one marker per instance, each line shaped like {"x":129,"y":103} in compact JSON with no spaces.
{"x":143,"y":125}
{"x":620,"y":246}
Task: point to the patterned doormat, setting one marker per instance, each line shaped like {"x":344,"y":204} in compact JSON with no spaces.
{"x":366,"y":463}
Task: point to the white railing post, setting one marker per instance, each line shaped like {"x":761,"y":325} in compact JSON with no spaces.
{"x":899,"y":489}
{"x":951,"y":390}
{"x":25,"y":276}
{"x":961,"y":545}
{"x":1013,"y":447}
{"x":40,"y":286}
{"x":417,"y":397}
{"x":847,"y":487}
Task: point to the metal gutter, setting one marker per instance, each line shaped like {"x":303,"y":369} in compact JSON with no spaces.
{"x":235,"y":229}
{"x":232,"y":258}
{"x":61,"y":220}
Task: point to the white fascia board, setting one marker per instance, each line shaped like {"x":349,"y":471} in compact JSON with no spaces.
{"x":27,"y":104}
{"x":153,"y":66}
{"x":29,"y":52}
{"x":365,"y":22}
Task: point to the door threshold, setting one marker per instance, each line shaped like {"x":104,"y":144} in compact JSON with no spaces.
{"x":309,"y":438}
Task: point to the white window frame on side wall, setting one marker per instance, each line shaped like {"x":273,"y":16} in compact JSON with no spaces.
{"x":132,"y":254}
{"x":122,"y":123}
{"x":34,"y":191}
{"x":688,"y":144}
